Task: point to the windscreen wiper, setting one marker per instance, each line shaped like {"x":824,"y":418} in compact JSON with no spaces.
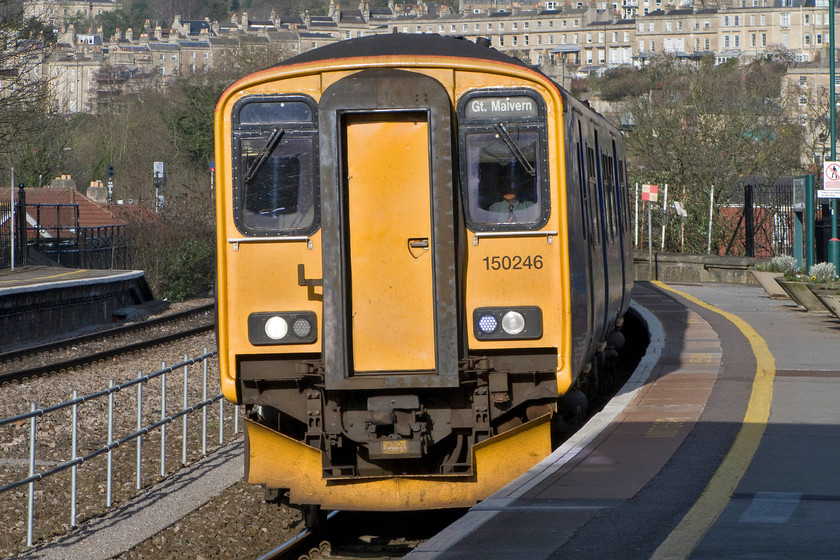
{"x":263,"y":154}
{"x":511,"y":144}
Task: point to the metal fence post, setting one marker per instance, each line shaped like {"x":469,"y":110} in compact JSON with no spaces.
{"x":221,"y":421}
{"x":186,"y":404}
{"x":139,"y":428}
{"x":31,"y":498}
{"x":110,"y":473}
{"x":204,"y":410}
{"x":163,"y":426}
{"x":74,"y":455}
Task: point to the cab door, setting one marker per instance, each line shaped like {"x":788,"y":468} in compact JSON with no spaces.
{"x":390,"y":257}
{"x":390,"y":273}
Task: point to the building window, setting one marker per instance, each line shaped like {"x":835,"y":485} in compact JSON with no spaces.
{"x":764,"y":39}
{"x":784,"y":20}
{"x":803,"y":80}
{"x":753,"y":41}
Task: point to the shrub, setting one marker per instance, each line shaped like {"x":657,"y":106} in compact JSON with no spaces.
{"x":782,"y":263}
{"x":822,"y":272}
{"x":189,"y":271}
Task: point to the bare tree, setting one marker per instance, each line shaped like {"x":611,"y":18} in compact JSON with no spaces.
{"x":24,"y":90}
{"x":699,"y":125}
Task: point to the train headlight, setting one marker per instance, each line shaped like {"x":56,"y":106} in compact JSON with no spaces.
{"x":487,"y":323}
{"x":517,"y":323}
{"x":513,"y":323}
{"x":276,"y":328}
{"x":294,"y":327}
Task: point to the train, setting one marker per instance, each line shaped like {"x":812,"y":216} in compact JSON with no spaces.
{"x":423,"y":268}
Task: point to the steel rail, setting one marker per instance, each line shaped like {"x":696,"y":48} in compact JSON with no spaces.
{"x":94,"y":357}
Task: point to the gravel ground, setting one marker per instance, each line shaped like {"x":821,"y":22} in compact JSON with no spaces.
{"x":234,"y":524}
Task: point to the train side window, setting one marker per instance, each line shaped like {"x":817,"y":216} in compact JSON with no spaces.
{"x":594,"y":212}
{"x":275,"y":170}
{"x":609,"y":194}
{"x":503,"y":160}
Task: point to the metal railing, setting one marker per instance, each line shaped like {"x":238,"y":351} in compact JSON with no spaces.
{"x":76,"y":460}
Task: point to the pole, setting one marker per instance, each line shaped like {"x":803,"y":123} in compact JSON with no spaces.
{"x":711,"y":208}
{"x":12,"y":219}
{"x":650,"y":244}
{"x":664,"y":214}
{"x":834,"y":242}
{"x":636,"y":211}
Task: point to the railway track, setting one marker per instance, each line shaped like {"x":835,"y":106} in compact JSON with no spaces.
{"x":35,"y":361}
{"x":370,"y":535}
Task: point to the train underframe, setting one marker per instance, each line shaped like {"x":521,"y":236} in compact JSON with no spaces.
{"x":395,"y":449}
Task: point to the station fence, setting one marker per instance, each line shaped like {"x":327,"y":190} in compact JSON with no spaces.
{"x":141,"y":429}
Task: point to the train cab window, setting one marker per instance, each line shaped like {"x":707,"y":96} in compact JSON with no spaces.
{"x":503,"y":160}
{"x":275,"y":155}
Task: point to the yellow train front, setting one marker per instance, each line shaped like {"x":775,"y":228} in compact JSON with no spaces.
{"x":421,"y":248}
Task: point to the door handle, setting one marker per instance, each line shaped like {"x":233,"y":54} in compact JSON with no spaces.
{"x":419,"y":243}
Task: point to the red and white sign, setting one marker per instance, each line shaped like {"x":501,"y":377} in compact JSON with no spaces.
{"x":831,"y":175}
{"x":650,"y":192}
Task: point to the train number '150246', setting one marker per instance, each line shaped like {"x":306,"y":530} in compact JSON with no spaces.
{"x":515,"y":262}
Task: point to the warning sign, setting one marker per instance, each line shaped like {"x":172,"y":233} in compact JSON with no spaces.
{"x":831,"y":175}
{"x":651,"y":192}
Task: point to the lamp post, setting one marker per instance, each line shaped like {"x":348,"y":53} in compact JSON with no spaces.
{"x":834,"y":242}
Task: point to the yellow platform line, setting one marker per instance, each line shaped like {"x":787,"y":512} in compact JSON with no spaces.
{"x":16,"y":280}
{"x":715,"y":497}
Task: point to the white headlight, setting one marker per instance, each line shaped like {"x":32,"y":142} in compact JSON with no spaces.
{"x":513,"y":322}
{"x":276,"y":328}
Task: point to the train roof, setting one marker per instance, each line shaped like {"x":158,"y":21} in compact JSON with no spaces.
{"x":403,"y":44}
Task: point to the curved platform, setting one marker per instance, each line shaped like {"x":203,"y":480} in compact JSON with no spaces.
{"x":39,"y":303}
{"x":725,"y":443}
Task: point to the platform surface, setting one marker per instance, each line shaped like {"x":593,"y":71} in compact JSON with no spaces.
{"x":724,"y":444}
{"x":36,"y":278}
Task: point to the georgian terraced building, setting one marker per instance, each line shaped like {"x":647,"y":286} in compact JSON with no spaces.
{"x":575,"y":37}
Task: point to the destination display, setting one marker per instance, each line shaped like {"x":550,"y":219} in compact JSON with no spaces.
{"x":520,"y":106}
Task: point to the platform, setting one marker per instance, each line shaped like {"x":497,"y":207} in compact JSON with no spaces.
{"x":39,"y":303}
{"x":725,"y":443}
